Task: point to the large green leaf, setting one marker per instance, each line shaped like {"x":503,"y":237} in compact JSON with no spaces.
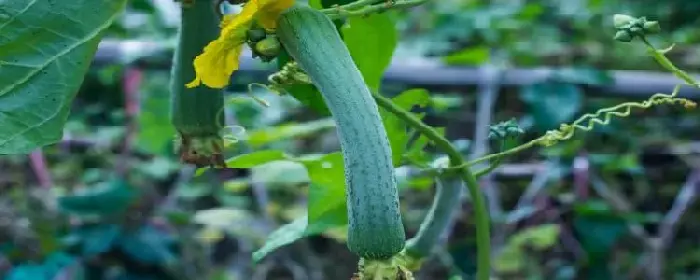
{"x":283,"y":236}
{"x":108,"y":198}
{"x":280,"y":173}
{"x":327,"y":206}
{"x":309,"y":96}
{"x":147,"y":245}
{"x":371,"y":41}
{"x":327,"y":192}
{"x":396,"y":128}
{"x":298,"y":229}
{"x":469,"y":56}
{"x":156,"y":131}
{"x":552,"y":103}
{"x":256,"y":158}
{"x":263,"y":136}
{"x":97,"y":239}
{"x":27,"y":271}
{"x":539,"y":237}
{"x":598,"y":236}
{"x":513,"y":256}
{"x":316,"y":4}
{"x":56,"y":262}
{"x":251,"y":160}
{"x":598,"y":228}
{"x":45,"y":50}
{"x":416,"y":153}
{"x":220,"y":217}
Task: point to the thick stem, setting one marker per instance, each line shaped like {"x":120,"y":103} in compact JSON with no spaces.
{"x":196,"y":113}
{"x":483,"y":241}
{"x":446,"y":199}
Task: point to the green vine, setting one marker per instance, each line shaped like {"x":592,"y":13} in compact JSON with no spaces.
{"x":588,"y":122}
{"x":366,"y":7}
{"x":603,"y":116}
{"x":481,"y":215}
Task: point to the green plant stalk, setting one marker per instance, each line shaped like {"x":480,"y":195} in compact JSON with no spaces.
{"x":666,"y":63}
{"x":588,"y":121}
{"x":453,"y":170}
{"x":483,"y":238}
{"x":196,"y":113}
{"x":447,"y":198}
{"x":361,"y":8}
{"x":567,"y":131}
{"x":350,"y":6}
{"x":512,"y":151}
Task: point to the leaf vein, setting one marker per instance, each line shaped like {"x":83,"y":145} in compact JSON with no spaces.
{"x":52,"y":59}
{"x":18,"y":14}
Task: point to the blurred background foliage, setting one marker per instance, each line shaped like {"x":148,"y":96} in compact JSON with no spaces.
{"x":615,"y":203}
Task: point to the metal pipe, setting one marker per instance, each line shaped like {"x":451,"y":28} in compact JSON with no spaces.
{"x":413,"y":72}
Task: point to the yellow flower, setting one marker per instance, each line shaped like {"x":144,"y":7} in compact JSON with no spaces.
{"x":220,"y":58}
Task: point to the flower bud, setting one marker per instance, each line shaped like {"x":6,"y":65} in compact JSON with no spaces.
{"x":652,"y":27}
{"x":622,"y":21}
{"x":636,"y":31}
{"x":256,"y":35}
{"x":268,"y":48}
{"x":623,"y":36}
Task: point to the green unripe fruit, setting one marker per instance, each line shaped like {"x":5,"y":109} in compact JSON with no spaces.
{"x":256,"y":35}
{"x":268,"y":47}
{"x":375,"y":226}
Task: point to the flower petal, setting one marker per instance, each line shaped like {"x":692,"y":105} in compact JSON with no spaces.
{"x":270,"y":10}
{"x":220,"y":58}
{"x":234,"y":26}
{"x":216,"y":64}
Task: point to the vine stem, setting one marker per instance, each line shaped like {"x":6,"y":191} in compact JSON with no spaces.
{"x":366,"y":7}
{"x":351,"y":6}
{"x":659,"y":56}
{"x":514,"y":150}
{"x":587,"y":122}
{"x":483,"y":238}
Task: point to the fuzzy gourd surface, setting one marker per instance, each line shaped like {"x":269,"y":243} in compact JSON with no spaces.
{"x":375,"y":226}
{"x":196,"y":113}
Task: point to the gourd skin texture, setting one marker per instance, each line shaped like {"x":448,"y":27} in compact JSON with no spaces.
{"x":375,"y":230}
{"x":196,"y":113}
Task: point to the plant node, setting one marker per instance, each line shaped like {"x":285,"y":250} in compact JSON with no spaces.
{"x":629,"y":27}
{"x":201,"y":151}
{"x":392,"y":269}
{"x":289,"y":74}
